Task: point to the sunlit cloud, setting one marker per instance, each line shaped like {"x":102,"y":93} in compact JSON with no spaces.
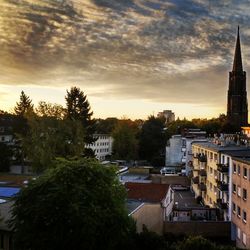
{"x":153,"y":51}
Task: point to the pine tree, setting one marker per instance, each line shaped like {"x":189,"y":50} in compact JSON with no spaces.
{"x":24,"y":105}
{"x":78,"y":108}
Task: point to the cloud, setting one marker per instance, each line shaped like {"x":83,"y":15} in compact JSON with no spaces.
{"x":147,"y":49}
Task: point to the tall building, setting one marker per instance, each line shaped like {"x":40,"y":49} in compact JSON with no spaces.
{"x":237,"y":110}
{"x":168,"y":115}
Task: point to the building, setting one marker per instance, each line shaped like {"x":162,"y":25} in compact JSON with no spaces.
{"x":237,"y":107}
{"x":102,"y":147}
{"x":179,"y":148}
{"x":168,"y":115}
{"x":212,"y":168}
{"x":240,"y":202}
{"x":156,"y":204}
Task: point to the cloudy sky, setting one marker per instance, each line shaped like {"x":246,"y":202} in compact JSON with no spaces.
{"x":131,"y":57}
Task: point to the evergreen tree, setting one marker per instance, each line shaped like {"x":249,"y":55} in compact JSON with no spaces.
{"x":24,"y":105}
{"x":78,"y":108}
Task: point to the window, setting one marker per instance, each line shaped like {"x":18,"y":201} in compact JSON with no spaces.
{"x":238,"y":232}
{"x":234,"y":207}
{"x":234,"y":188}
{"x":239,"y":191}
{"x":238,"y":211}
{"x":244,"y":194}
{"x":245,"y":172}
{"x":238,"y":170}
{"x":244,"y":238}
{"x":245,"y":216}
{"x":234,"y":168}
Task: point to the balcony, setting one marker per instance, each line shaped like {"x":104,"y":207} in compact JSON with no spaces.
{"x":202,"y":187}
{"x":195,"y":180}
{"x":223,"y":168}
{"x":202,"y":158}
{"x":221,"y":204}
{"x":222,"y":186}
{"x":203,"y":172}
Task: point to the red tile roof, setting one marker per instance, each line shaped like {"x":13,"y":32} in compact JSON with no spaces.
{"x":150,"y":192}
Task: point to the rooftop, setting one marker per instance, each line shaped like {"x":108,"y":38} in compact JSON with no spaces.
{"x":133,"y":205}
{"x":221,"y":148}
{"x":147,"y":192}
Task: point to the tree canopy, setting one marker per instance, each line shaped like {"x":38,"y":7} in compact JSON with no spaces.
{"x":24,"y":105}
{"x":75,"y":205}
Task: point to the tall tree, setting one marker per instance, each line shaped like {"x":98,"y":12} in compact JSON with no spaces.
{"x":24,"y":105}
{"x":125,"y":140}
{"x":81,"y":203}
{"x":47,"y":109}
{"x":152,"y":141}
{"x":78,"y":108}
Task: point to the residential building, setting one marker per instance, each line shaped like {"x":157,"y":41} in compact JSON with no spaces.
{"x":241,"y":202}
{"x":152,"y":193}
{"x":179,"y":148}
{"x":168,"y":115}
{"x":237,"y":107}
{"x":102,"y":147}
{"x":212,"y":168}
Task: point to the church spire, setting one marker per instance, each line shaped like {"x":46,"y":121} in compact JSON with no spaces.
{"x":237,"y":66}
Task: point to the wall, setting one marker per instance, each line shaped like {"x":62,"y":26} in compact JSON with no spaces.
{"x":207,"y":229}
{"x":183,"y":180}
{"x":150,"y":215}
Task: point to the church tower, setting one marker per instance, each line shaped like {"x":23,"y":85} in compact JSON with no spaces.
{"x":237,"y":110}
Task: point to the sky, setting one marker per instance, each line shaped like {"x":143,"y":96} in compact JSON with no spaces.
{"x":132,"y":58}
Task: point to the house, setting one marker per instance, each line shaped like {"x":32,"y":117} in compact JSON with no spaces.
{"x":156,"y":204}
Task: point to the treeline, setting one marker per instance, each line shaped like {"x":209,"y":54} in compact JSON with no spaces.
{"x":50,"y":130}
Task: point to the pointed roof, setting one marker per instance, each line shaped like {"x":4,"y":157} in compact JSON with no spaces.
{"x":237,"y":66}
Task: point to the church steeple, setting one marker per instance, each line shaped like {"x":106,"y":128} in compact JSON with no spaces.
{"x":237,"y":66}
{"x":237,"y":107}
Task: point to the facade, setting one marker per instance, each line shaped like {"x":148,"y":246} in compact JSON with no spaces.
{"x":102,"y":146}
{"x":179,"y":149}
{"x":240,"y":202}
{"x":212,"y":168}
{"x":168,"y":115}
{"x":237,"y":107}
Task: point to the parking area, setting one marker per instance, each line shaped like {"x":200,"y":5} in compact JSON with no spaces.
{"x":185,"y":199}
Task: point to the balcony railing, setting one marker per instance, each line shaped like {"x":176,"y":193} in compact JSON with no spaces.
{"x":221,"y":204}
{"x":195,"y":180}
{"x":202,"y":158}
{"x":202,"y":187}
{"x":222,"y":186}
{"x":203,"y":172}
{"x":223,"y":168}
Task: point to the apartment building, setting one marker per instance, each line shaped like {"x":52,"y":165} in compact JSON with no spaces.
{"x":212,"y":168}
{"x":241,"y":202}
{"x":102,"y":146}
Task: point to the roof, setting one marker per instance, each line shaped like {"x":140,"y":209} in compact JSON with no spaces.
{"x":148,"y":192}
{"x":245,"y":160}
{"x":219,"y":148}
{"x":8,"y":191}
{"x":133,"y":205}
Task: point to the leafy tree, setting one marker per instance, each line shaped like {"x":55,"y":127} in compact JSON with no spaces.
{"x":75,"y":205}
{"x":152,"y":141}
{"x":106,"y":126}
{"x":24,"y":105}
{"x":125,"y":142}
{"x":5,"y":157}
{"x":46,"y":109}
{"x":78,"y":108}
{"x":49,"y":138}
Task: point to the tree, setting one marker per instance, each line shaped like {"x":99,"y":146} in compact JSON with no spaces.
{"x":125,"y":141}
{"x":152,"y":141}
{"x":24,"y":105}
{"x":5,"y":157}
{"x":75,"y":205}
{"x":49,"y":138}
{"x":78,"y":108}
{"x":47,"y":109}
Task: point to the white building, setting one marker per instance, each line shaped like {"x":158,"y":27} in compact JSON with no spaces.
{"x":102,"y":146}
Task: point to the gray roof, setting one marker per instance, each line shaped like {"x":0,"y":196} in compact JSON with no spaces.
{"x":223,"y":149}
{"x":132,"y":205}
